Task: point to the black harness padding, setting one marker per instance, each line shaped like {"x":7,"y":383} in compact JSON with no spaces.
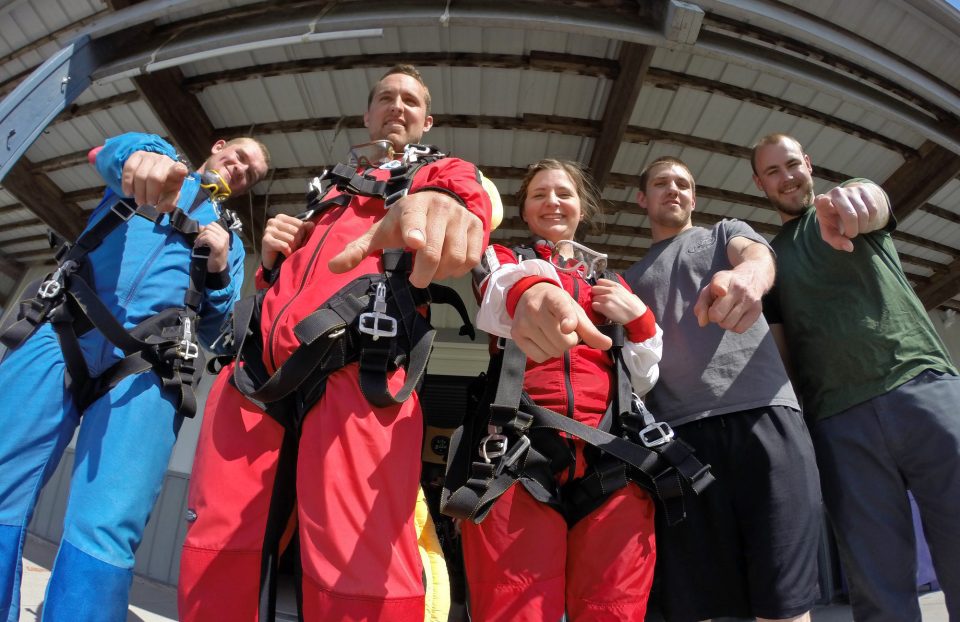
{"x":520,"y":442}
{"x":165,"y":343}
{"x":375,"y":319}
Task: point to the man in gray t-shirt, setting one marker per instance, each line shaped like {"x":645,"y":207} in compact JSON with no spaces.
{"x":748,"y":547}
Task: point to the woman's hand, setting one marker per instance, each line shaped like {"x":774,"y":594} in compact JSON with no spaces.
{"x":616,"y":303}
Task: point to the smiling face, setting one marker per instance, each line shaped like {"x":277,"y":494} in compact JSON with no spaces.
{"x":784,"y":173}
{"x":669,"y":198}
{"x":551,"y":208}
{"x":241,"y":163}
{"x":398,"y":111}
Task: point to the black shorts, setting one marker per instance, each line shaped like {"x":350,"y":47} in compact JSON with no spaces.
{"x":748,"y":546}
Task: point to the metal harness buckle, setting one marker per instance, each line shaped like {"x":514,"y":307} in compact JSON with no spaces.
{"x":52,"y":287}
{"x":656,"y":434}
{"x":372,"y":322}
{"x":500,"y":444}
{"x":187,"y":349}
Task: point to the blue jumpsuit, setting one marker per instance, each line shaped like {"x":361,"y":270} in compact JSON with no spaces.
{"x":126,"y":436}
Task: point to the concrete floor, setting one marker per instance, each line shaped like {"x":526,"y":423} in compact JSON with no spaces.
{"x":154,"y":602}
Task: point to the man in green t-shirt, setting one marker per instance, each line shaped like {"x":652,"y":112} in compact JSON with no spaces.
{"x":874,"y":378}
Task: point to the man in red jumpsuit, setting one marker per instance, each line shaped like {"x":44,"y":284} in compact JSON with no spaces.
{"x":357,"y":470}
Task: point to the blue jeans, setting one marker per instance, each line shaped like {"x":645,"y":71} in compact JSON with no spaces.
{"x":869,"y":456}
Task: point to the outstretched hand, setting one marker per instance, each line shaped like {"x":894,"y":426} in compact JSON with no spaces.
{"x":731,"y":300}
{"x":547,"y":322}
{"x":153,"y":179}
{"x":847,"y":211}
{"x":446,"y":237}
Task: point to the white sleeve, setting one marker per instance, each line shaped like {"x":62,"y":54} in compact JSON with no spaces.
{"x":642,"y":361}
{"x":493,"y":317}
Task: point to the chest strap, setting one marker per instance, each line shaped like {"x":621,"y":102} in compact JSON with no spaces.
{"x":374,"y":320}
{"x":165,"y":343}
{"x":522,"y":443}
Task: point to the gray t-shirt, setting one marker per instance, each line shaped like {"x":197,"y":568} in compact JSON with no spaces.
{"x":705,"y":371}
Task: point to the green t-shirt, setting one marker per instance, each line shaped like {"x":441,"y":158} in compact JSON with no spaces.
{"x":854,"y":327}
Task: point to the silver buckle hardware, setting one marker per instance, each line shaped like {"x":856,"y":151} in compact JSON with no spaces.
{"x":52,"y":287}
{"x":656,"y":434}
{"x":186,"y":348}
{"x":372,"y":322}
{"x":498,"y":447}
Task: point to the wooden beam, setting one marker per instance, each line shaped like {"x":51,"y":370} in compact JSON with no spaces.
{"x":674,"y":80}
{"x":75,"y":111}
{"x":920,"y":177}
{"x":180,"y":112}
{"x":42,"y":197}
{"x":10,"y":267}
{"x":76,"y":158}
{"x":941,"y":289}
{"x":644,"y":135}
{"x":634,"y":62}
{"x":536,"y":60}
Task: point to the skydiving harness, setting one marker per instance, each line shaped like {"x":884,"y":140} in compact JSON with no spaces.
{"x":165,"y":343}
{"x":521,"y":443}
{"x":374,"y":320}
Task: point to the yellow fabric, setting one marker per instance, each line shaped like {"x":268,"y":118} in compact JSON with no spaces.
{"x":436,"y":581}
{"x":497,"y":213}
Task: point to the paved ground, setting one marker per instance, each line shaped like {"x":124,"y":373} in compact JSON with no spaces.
{"x":153,"y":602}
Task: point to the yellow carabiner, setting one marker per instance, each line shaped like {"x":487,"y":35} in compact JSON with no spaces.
{"x":214,"y":183}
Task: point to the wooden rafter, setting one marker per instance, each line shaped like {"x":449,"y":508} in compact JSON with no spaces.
{"x":42,"y":197}
{"x":634,"y":61}
{"x":920,"y":177}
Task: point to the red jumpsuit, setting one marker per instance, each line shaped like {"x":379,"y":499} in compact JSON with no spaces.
{"x":357,"y":471}
{"x":524,"y":562}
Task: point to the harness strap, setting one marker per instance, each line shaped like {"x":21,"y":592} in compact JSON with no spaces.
{"x":512,"y":446}
{"x":165,"y":343}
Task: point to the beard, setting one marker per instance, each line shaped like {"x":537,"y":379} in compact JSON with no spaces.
{"x":793,"y":207}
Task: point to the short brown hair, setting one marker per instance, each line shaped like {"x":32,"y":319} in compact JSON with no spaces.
{"x":662,"y":160}
{"x":591,"y":205}
{"x":407,"y":70}
{"x":769,"y":139}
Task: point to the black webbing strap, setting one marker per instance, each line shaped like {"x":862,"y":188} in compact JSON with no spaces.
{"x":378,"y":358}
{"x":375,"y":319}
{"x":511,"y":442}
{"x":165,"y":343}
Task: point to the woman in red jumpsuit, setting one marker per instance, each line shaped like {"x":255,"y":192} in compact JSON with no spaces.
{"x":524,"y":562}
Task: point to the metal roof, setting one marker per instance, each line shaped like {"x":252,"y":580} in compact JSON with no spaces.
{"x":871,"y":88}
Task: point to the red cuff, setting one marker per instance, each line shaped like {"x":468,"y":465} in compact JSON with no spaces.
{"x":520,"y":288}
{"x":259,"y":281}
{"x":641,"y":328}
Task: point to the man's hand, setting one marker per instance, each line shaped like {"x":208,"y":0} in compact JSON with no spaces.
{"x":283,"y":235}
{"x":548,"y":322}
{"x":446,"y":238}
{"x":731,"y":300}
{"x":846,"y":212}
{"x":153,"y":179}
{"x":218,"y":239}
{"x":616,"y":303}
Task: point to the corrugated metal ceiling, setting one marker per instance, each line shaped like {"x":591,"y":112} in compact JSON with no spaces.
{"x":870,"y":88}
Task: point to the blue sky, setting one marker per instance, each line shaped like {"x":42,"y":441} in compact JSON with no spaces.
{"x":954,"y":3}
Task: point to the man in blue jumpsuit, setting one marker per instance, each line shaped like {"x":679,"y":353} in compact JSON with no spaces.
{"x":126,"y":435}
